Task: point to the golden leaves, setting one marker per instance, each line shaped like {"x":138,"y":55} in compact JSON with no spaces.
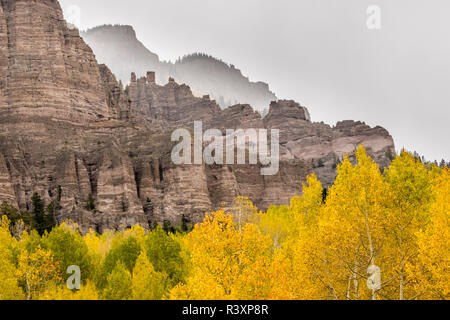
{"x":397,"y":222}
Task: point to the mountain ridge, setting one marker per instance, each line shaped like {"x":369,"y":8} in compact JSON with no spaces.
{"x":118,"y":47}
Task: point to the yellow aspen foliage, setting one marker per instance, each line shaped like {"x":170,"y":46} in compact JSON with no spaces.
{"x":87,"y":292}
{"x":198,"y":287}
{"x":147,"y":284}
{"x":431,"y":273}
{"x":293,"y":264}
{"x":118,"y":285}
{"x":36,"y":271}
{"x":375,"y":236}
{"x":407,"y":204}
{"x":309,"y":204}
{"x":278,"y":224}
{"x":214,"y":247}
{"x":254,"y":281}
{"x":99,"y":245}
{"x":285,"y":223}
{"x":243,"y":212}
{"x":306,"y":209}
{"x":224,"y":260}
{"x":350,"y":236}
{"x":293,"y":271}
{"x":9,"y":287}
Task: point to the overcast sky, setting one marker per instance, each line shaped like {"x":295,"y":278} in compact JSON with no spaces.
{"x":317,"y":52}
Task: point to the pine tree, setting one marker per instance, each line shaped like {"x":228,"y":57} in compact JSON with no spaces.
{"x":38,"y":214}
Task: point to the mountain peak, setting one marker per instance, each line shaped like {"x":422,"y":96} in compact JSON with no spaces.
{"x":124,"y":29}
{"x":118,"y":47}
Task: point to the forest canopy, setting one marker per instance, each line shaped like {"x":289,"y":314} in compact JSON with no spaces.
{"x":375,"y":234}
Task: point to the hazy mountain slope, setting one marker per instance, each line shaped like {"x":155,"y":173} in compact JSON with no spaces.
{"x":118,"y":47}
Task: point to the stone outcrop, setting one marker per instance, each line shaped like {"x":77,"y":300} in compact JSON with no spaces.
{"x":321,"y":145}
{"x":46,"y":67}
{"x":318,"y":144}
{"x":70,"y":132}
{"x":6,"y":189}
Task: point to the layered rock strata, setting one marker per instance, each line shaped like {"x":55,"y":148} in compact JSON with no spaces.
{"x":70,"y":132}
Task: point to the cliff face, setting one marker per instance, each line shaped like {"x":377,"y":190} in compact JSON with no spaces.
{"x":45,"y":66}
{"x":53,"y":110}
{"x":324,"y":146}
{"x":69,"y":132}
{"x":118,"y":47}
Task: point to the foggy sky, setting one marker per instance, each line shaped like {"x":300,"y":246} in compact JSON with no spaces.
{"x":317,"y":52}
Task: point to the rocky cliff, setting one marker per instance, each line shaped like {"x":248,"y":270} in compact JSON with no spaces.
{"x":321,"y":145}
{"x":118,"y":47}
{"x":71,"y":133}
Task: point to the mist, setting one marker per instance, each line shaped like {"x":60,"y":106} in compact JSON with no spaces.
{"x":317,"y":52}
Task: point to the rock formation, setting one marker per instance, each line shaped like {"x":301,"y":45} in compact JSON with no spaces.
{"x":324,"y":146}
{"x":118,"y":47}
{"x":71,"y":133}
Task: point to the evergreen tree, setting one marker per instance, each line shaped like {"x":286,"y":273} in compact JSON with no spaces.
{"x":38,"y":213}
{"x":90,"y":204}
{"x":14,"y":215}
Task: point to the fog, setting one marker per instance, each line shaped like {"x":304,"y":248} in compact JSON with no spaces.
{"x":317,"y":52}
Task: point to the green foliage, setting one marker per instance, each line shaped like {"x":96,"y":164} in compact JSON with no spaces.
{"x":38,"y":213}
{"x":186,"y":226}
{"x":124,"y":206}
{"x":324,"y":195}
{"x":318,"y":247}
{"x":68,"y":247}
{"x":165,"y":254}
{"x":409,"y":181}
{"x":49,"y":217}
{"x":118,"y":284}
{"x":168,"y":227}
{"x":125,"y":253}
{"x":43,"y":218}
{"x":14,"y":215}
{"x":147,"y":284}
